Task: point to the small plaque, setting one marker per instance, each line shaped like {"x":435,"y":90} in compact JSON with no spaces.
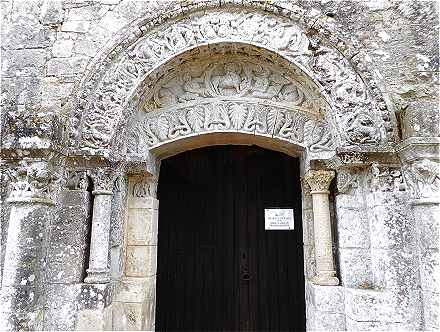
{"x":278,"y":219}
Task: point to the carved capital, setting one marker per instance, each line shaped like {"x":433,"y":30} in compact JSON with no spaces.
{"x":319,"y":180}
{"x":31,"y":181}
{"x":385,"y":178}
{"x":347,"y":181}
{"x":146,"y":187}
{"x":423,"y":179}
{"x":77,"y":180}
{"x":103,"y":180}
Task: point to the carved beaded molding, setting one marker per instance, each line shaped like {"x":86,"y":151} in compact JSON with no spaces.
{"x":122,"y":80}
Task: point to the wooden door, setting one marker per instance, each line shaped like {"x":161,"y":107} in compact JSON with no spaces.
{"x":218,"y":268}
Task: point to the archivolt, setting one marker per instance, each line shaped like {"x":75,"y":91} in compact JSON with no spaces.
{"x":357,"y":113}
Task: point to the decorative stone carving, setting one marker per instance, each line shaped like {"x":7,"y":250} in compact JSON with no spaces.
{"x":132,"y":74}
{"x":159,"y":127}
{"x":31,"y":181}
{"x":347,"y":181}
{"x":360,"y":128}
{"x":384,"y":178}
{"x":423,"y":178}
{"x":77,"y":180}
{"x":145,"y":188}
{"x":230,"y":78}
{"x":102,"y":179}
{"x":319,"y":180}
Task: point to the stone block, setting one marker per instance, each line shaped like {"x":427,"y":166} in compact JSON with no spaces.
{"x":21,"y":90}
{"x":142,"y":226}
{"x":431,"y":307}
{"x":61,"y":318}
{"x":116,"y":262}
{"x":75,"y":26}
{"x":353,"y":325}
{"x":395,"y":269}
{"x":24,"y":32}
{"x":353,"y":229}
{"x":66,"y":263}
{"x":328,"y":321}
{"x":364,"y":305}
{"x":355,"y":267}
{"x":85,"y":47}
{"x":94,"y":296}
{"x":135,"y":289}
{"x":52,"y":12}
{"x":326,"y":298}
{"x":129,"y":316}
{"x":141,"y":261}
{"x":430,"y":270}
{"x":392,"y":226}
{"x":344,"y":201}
{"x":143,"y":203}
{"x":62,"y":48}
{"x":25,"y":62}
{"x":428,"y":220}
{"x":66,"y":66}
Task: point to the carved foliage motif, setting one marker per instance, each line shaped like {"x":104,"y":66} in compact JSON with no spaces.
{"x":145,"y":188}
{"x":319,"y":180}
{"x":103,"y":179}
{"x":31,"y":181}
{"x":423,"y":178}
{"x":295,"y":126}
{"x":342,"y":87}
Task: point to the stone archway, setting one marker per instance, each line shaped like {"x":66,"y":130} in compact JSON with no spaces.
{"x":230,"y":76}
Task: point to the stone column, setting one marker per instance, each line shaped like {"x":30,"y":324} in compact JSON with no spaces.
{"x":98,"y":271}
{"x":423,"y":179}
{"x":30,"y":199}
{"x":319,"y":182}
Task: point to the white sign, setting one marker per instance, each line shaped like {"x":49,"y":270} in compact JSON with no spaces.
{"x":278,"y":219}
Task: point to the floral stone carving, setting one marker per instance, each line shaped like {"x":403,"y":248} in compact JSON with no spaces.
{"x":31,"y":182}
{"x":319,"y":180}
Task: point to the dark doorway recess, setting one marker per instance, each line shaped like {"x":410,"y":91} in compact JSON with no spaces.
{"x":218,"y":268}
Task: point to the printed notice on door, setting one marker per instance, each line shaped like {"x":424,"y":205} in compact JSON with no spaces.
{"x":278,"y":219}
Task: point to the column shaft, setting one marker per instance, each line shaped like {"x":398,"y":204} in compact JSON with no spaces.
{"x":319,"y":182}
{"x":98,"y":271}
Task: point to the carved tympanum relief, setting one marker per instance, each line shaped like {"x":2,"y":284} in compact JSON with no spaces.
{"x":231,"y":93}
{"x":340,"y":85}
{"x":229,"y":78}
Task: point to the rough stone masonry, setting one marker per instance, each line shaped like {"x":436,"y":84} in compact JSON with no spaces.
{"x":96,"y":93}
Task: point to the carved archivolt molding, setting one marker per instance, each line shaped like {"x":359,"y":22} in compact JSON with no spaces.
{"x":130,"y":76}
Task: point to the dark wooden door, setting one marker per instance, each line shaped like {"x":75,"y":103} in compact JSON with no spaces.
{"x":218,"y":268}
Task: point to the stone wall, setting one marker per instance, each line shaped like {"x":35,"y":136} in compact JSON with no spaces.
{"x":385,"y":207}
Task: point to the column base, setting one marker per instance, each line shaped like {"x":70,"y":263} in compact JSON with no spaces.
{"x":97,"y":276}
{"x":325,"y":280}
